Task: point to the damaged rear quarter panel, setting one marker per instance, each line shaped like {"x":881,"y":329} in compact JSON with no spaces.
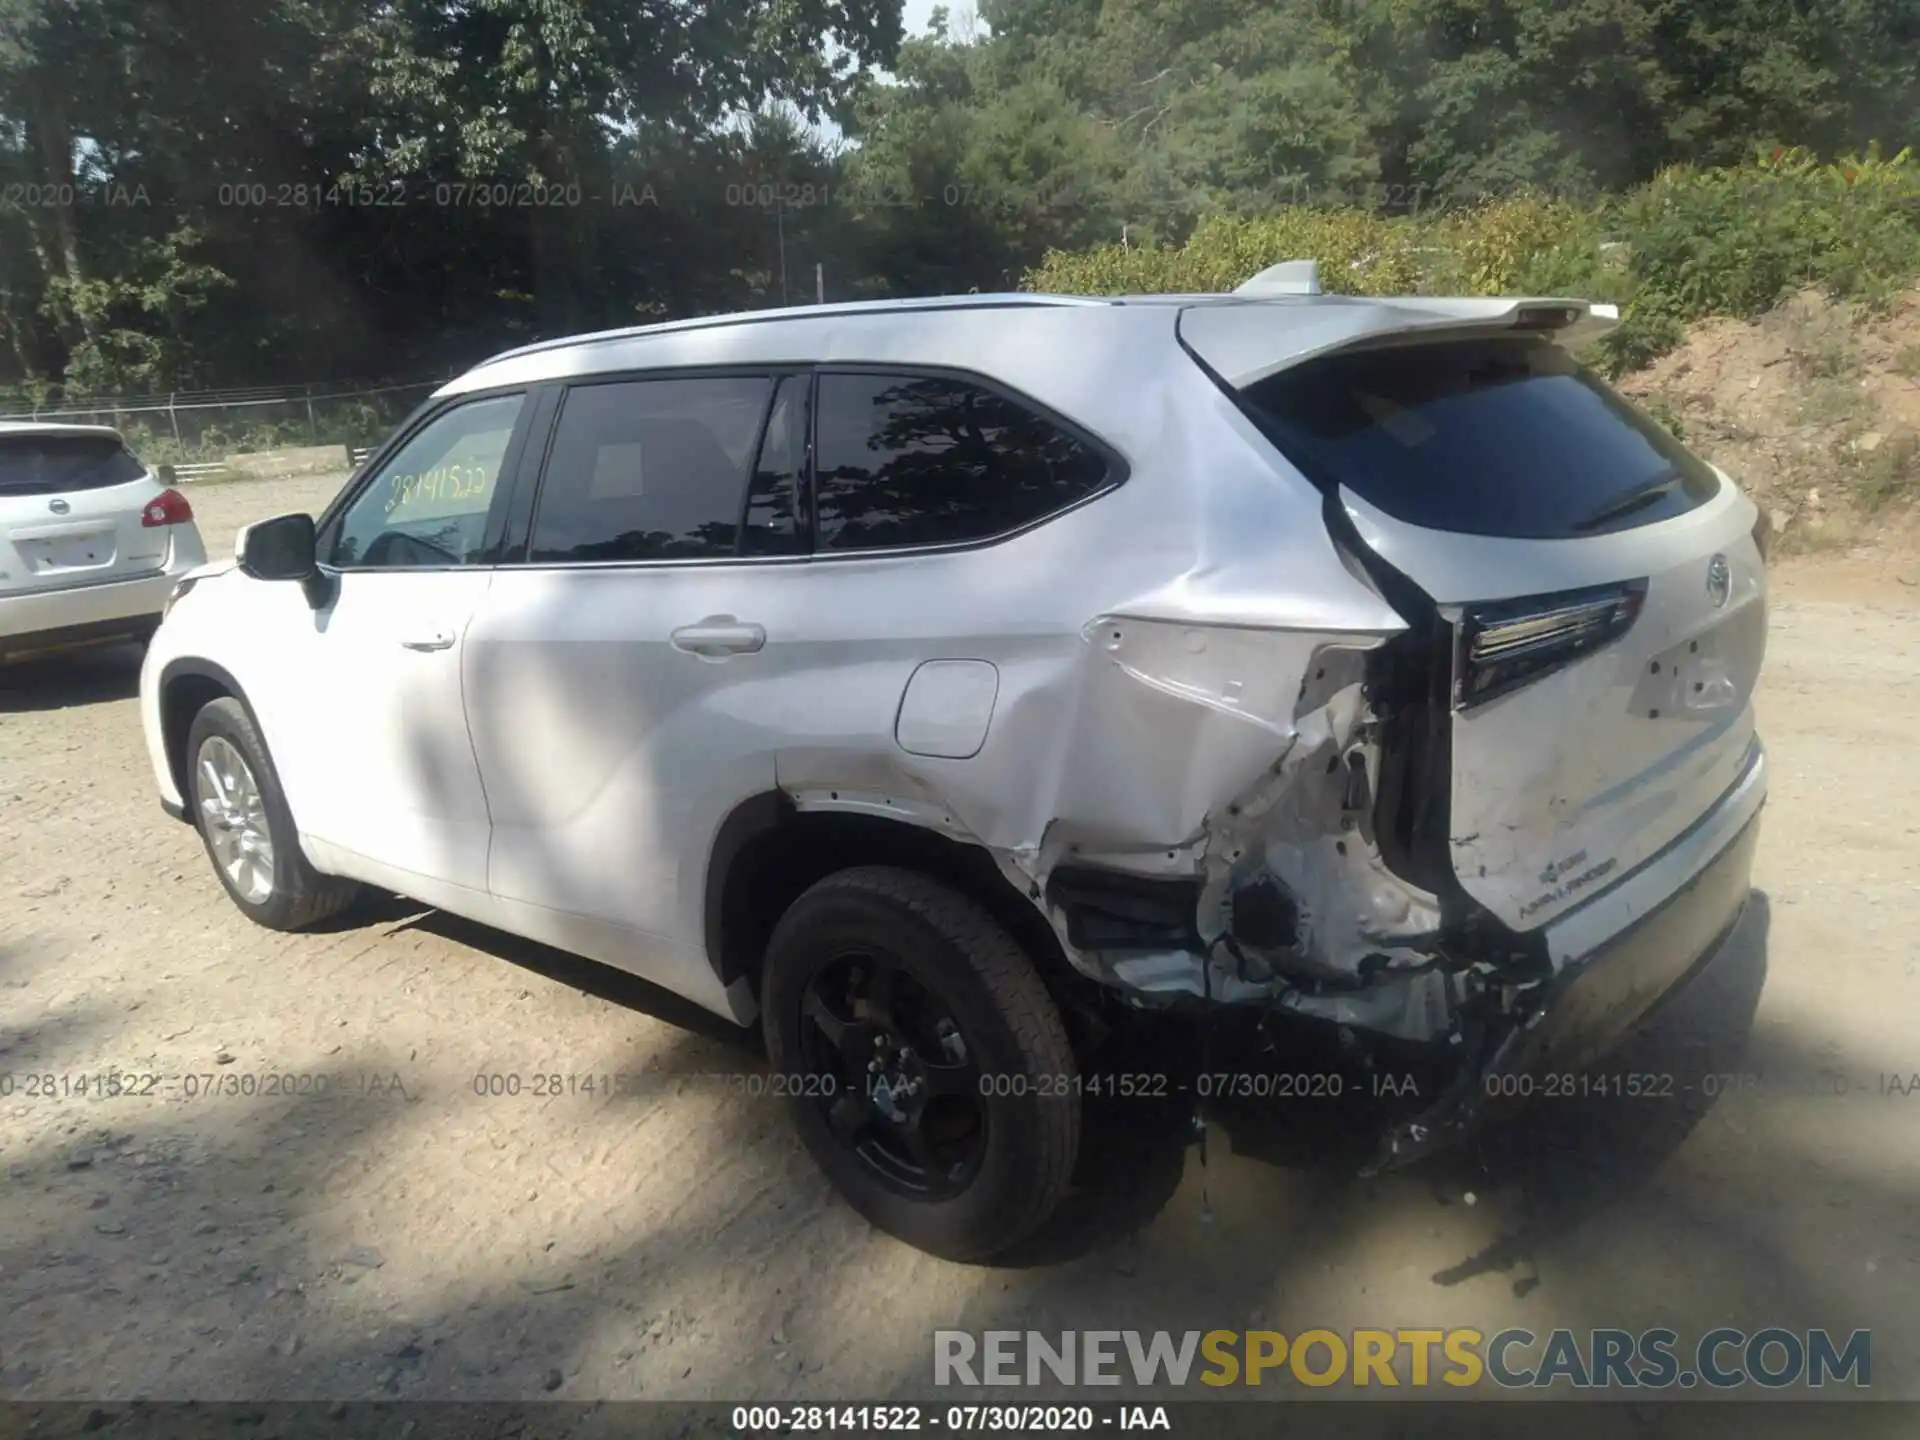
{"x":1255,"y":748}
{"x":1235,"y":758}
{"x":1180,"y":697}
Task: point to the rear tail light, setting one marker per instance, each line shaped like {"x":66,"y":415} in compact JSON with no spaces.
{"x":1506,"y":645}
{"x":169,"y":507}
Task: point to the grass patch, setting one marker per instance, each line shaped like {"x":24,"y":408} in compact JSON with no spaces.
{"x":1836,"y":400}
{"x":1825,"y":358}
{"x":1887,"y":475}
{"x":1824,"y":350}
{"x":1663,"y":409}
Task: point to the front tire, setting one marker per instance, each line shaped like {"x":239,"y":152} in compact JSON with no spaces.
{"x":238,"y":807}
{"x":930,"y":1075}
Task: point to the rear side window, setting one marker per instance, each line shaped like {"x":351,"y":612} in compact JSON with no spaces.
{"x":925,"y":460}
{"x":658,"y":470}
{"x":50,"y":464}
{"x":1506,"y":437}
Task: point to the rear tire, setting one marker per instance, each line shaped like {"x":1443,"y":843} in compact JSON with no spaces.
{"x":235,"y":801}
{"x":989,"y":1076}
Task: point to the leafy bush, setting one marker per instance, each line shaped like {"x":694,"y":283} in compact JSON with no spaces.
{"x":1525,"y":243}
{"x":1359,"y":252}
{"x":1738,"y":240}
{"x":1690,"y":243}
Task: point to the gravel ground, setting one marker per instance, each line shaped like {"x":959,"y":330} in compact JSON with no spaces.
{"x":386,"y":1229}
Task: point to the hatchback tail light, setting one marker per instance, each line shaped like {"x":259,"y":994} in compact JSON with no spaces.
{"x":169,"y":507}
{"x":1506,"y":645}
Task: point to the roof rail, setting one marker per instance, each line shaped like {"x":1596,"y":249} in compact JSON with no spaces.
{"x":798,"y":312}
{"x":1289,"y":277}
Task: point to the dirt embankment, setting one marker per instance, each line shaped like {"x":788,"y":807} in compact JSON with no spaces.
{"x":1815,"y":408}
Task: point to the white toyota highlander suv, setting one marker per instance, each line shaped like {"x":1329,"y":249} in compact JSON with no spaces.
{"x":923,"y":680}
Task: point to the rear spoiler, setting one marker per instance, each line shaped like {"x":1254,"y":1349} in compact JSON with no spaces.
{"x":1570,"y":322}
{"x":1244,"y":340}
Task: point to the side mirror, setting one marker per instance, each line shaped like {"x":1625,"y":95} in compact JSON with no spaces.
{"x":283,"y":548}
{"x":277,"y":549}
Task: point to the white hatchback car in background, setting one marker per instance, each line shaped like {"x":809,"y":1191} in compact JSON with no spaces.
{"x":92,"y":541}
{"x":941,"y":684}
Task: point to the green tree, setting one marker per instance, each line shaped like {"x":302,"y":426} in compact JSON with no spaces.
{"x":538,"y":92}
{"x":117,"y":138}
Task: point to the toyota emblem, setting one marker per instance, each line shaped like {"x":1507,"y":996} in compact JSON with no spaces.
{"x":59,"y":507}
{"x":1719,"y":580}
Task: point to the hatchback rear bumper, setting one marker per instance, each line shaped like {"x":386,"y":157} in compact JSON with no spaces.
{"x":83,"y":614}
{"x":1600,"y":995}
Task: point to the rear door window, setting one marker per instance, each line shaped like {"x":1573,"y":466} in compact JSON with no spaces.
{"x":1506,"y":437}
{"x":658,"y":470}
{"x":53,"y":464}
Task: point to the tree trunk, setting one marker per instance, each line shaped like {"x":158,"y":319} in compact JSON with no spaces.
{"x":552,"y":284}
{"x":56,"y":238}
{"x":14,"y":323}
{"x":553,"y":243}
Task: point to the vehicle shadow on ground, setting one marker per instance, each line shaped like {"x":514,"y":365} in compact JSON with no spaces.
{"x":1565,"y":1158}
{"x":1133,"y":1151}
{"x":395,"y":914}
{"x":80,"y":677}
{"x":1569,"y":1159}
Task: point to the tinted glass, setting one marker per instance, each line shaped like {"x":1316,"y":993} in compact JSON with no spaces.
{"x":1504,"y":437}
{"x":50,"y":464}
{"x":650,"y":470}
{"x":772,"y":524}
{"x":428,"y":503}
{"x":924,"y":460}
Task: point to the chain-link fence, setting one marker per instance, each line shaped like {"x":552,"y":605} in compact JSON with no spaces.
{"x":209,"y":425}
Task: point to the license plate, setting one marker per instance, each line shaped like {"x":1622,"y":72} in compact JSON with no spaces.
{"x":69,"y":552}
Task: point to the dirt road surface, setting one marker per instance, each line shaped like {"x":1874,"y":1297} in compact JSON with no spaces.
{"x":390,"y":1230}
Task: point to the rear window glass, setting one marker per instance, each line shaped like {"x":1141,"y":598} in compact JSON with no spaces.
{"x":51,"y":464}
{"x":1502,"y":437}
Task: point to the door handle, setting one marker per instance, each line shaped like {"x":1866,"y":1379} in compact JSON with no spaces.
{"x":719,"y":635}
{"x":439,"y":640}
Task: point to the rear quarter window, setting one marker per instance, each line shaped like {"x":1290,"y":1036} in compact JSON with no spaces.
{"x":1503,"y":437}
{"x":905,"y":460}
{"x":53,"y":464}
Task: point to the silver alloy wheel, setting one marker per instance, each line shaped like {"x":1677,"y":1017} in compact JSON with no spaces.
{"x":236,"y":819}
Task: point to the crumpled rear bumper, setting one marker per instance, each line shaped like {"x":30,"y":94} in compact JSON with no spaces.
{"x":1592,"y":1004}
